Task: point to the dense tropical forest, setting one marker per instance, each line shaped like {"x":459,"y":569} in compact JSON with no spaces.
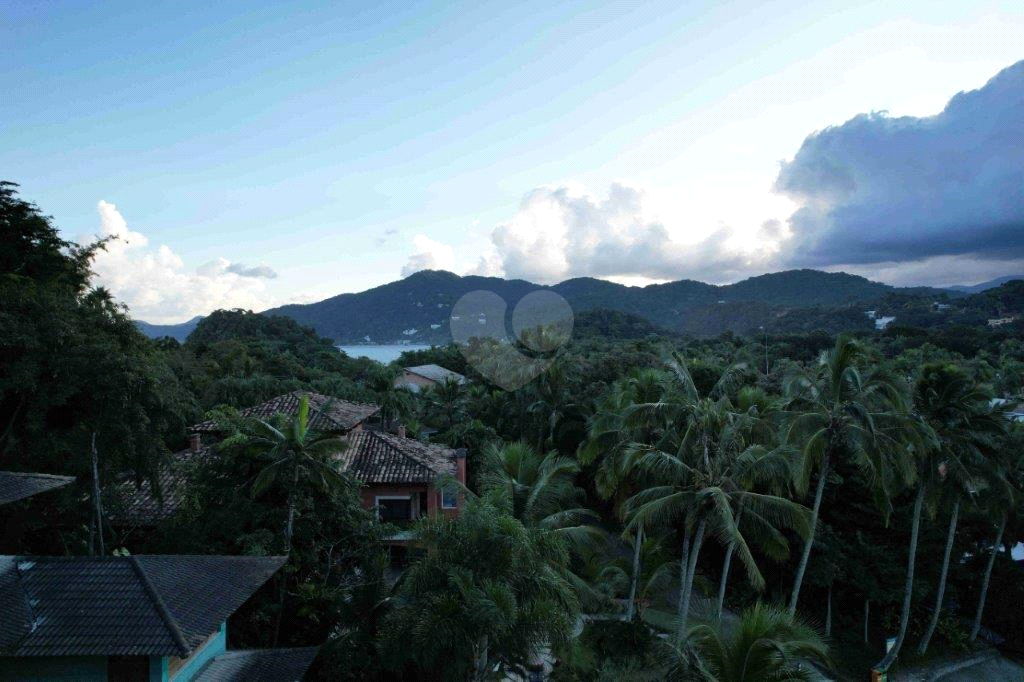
{"x":815,"y":494}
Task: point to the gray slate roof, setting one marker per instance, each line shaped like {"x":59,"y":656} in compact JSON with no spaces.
{"x":339,"y":415}
{"x":146,"y":605}
{"x":259,"y":665}
{"x":435,"y":373}
{"x":17,"y":485}
{"x":375,"y":457}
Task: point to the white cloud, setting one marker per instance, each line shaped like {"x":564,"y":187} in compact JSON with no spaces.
{"x":429,"y":255}
{"x":155,"y":284}
{"x":566,"y":231}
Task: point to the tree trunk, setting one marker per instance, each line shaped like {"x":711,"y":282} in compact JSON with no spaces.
{"x":988,"y":577}
{"x":822,"y":477}
{"x":480,"y":659}
{"x":725,"y":568}
{"x":691,"y":571}
{"x":923,"y":646}
{"x":288,"y":529}
{"x":635,"y":581}
{"x":684,"y":563}
{"x":97,"y":500}
{"x":867,"y":611}
{"x":828,"y":613}
{"x":908,"y":590}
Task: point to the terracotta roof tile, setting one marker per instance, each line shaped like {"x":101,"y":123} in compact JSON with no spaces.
{"x":375,"y":457}
{"x":326,"y":413}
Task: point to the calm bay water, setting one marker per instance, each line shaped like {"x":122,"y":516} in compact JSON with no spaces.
{"x":382,"y":353}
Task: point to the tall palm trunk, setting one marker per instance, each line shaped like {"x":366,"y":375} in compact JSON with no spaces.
{"x":822,"y":477}
{"x":908,"y":590}
{"x":635,"y":581}
{"x":687,"y":587}
{"x":988,"y":577}
{"x":950,"y":536}
{"x":867,"y":612}
{"x":828,"y":613}
{"x":725,"y":567}
{"x":96,"y":497}
{"x":288,"y":530}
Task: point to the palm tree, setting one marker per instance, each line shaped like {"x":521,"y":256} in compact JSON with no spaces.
{"x":1003,"y":498}
{"x":957,"y":410}
{"x":767,"y":645}
{"x":448,"y":399}
{"x":699,"y":480}
{"x":610,"y":430}
{"x":297,"y":455}
{"x":395,"y":402}
{"x":836,"y":408}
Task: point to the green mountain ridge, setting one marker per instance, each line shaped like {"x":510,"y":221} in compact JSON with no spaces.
{"x":417,"y":308}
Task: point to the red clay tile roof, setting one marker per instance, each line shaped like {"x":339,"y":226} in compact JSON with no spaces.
{"x":17,"y":485}
{"x":374,"y":457}
{"x":325,"y":412}
{"x":133,"y":506}
{"x":145,"y":605}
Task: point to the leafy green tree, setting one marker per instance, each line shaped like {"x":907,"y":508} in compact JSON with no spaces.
{"x":488,"y":594}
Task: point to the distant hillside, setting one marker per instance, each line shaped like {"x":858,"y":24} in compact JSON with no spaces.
{"x":417,"y":308}
{"x":178,"y":331}
{"x":985,"y":286}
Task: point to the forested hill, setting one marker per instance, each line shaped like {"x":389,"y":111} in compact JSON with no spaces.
{"x":417,"y":308}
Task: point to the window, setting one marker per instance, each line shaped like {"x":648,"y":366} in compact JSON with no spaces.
{"x":394,"y":508}
{"x":449,"y":499}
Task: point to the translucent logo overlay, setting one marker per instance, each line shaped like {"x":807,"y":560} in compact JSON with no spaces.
{"x":542,"y":322}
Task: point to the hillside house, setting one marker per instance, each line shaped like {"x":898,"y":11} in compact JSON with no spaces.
{"x":134,"y":619}
{"x":401,"y":477}
{"x":426,"y":376}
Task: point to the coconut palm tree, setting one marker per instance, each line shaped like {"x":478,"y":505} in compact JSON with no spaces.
{"x":395,"y":402}
{"x":767,"y":645}
{"x":698,"y":481}
{"x":1003,"y":498}
{"x":297,"y":456}
{"x":836,"y":408}
{"x":957,"y":410}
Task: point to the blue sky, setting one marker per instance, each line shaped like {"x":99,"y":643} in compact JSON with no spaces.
{"x":253,"y":156}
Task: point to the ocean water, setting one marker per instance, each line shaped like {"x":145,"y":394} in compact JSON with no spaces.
{"x":382,"y":353}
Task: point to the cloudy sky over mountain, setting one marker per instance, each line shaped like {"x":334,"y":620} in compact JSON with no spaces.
{"x":255,"y":157}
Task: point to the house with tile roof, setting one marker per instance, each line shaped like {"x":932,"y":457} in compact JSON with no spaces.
{"x":425,"y":376}
{"x":139,"y":505}
{"x":17,"y":485}
{"x":401,"y":477}
{"x":143,"y":618}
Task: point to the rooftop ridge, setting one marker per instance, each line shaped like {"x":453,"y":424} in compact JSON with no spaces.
{"x":161,"y":608}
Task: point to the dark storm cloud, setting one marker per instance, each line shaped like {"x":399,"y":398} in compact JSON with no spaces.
{"x":879,"y":189}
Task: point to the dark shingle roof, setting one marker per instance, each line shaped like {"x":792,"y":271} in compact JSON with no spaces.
{"x":339,"y":415}
{"x":17,"y":485}
{"x":145,"y":605}
{"x":375,"y":457}
{"x":435,"y":373}
{"x":259,"y":665}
